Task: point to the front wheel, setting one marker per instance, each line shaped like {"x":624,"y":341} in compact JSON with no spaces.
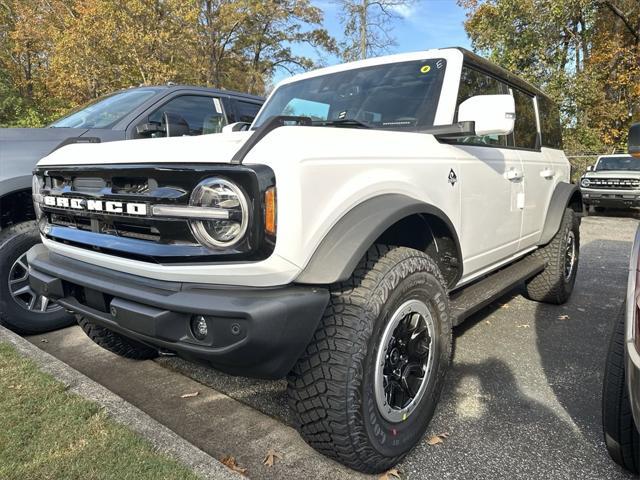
{"x":22,"y":309}
{"x":366,"y":388}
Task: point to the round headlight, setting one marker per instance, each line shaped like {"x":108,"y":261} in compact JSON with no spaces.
{"x":585,"y":182}
{"x":226,"y":196}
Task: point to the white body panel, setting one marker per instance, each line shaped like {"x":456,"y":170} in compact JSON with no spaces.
{"x":322,"y":173}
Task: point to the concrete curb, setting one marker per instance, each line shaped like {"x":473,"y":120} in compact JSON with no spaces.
{"x":163,"y":439}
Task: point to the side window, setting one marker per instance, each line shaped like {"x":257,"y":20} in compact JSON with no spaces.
{"x":190,"y":115}
{"x":550,"y":123}
{"x":472,"y":83}
{"x":247,"y":111}
{"x":525,"y":132}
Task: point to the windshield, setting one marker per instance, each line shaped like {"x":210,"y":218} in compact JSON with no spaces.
{"x":105,"y":111}
{"x":618,"y":163}
{"x":396,"y":96}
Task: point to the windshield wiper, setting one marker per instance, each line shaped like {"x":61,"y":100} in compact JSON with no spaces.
{"x":344,"y":122}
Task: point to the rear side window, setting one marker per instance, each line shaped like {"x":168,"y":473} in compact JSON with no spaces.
{"x":247,"y":111}
{"x":550,"y":123}
{"x":472,"y":83}
{"x":525,"y":132}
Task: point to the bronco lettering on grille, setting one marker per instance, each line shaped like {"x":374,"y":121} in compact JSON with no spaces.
{"x":96,"y":205}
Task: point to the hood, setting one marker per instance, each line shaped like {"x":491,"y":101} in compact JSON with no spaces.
{"x":212,"y":148}
{"x":21,"y":144}
{"x":613,"y":174}
{"x":284,"y":145}
{"x":21,"y":148}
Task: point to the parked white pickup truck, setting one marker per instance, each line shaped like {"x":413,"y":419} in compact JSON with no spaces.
{"x":371,"y":207}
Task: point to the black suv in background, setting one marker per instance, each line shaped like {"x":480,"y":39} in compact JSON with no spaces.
{"x":135,"y":113}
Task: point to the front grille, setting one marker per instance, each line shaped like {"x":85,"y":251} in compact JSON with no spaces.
{"x":143,"y":236}
{"x":614,"y":183}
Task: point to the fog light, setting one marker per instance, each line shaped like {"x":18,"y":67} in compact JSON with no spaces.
{"x":199,"y":327}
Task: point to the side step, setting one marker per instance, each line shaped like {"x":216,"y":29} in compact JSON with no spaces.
{"x":474,"y":297}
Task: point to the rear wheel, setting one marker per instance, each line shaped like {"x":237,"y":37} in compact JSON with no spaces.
{"x":555,"y":283}
{"x":620,"y":432}
{"x":22,"y":309}
{"x":366,"y":388}
{"x":116,"y":343}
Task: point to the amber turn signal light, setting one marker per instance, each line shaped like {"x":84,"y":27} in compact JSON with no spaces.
{"x":270,"y":211}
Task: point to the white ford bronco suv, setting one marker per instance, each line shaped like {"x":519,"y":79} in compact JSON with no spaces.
{"x":371,"y":207}
{"x":613,"y":182}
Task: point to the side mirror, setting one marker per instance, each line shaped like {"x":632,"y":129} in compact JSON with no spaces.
{"x":492,"y":114}
{"x":634,"y":140}
{"x":590,"y":168}
{"x":149,"y":129}
{"x":175,"y":125}
{"x":236,"y":127}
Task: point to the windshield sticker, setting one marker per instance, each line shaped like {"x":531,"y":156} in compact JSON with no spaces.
{"x":425,"y":69}
{"x":439,"y":64}
{"x":342,"y":115}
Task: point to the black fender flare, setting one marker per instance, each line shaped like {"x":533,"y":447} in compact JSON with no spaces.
{"x":341,"y":249}
{"x":560,"y":200}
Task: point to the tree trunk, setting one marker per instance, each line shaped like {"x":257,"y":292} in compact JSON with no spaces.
{"x":363,"y":29}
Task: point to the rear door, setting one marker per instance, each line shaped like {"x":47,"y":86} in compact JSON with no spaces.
{"x":539,"y":173}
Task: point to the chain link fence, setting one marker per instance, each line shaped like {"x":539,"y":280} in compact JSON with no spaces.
{"x":579,"y":164}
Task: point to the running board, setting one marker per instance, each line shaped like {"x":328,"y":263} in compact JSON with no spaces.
{"x":469,"y":300}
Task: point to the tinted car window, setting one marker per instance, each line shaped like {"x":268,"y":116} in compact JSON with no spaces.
{"x":472,"y":83}
{"x":247,"y":111}
{"x":525,"y":132}
{"x":199,"y":114}
{"x":550,"y":123}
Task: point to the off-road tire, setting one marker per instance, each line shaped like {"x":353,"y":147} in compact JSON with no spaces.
{"x":331,"y":388}
{"x":550,"y":285}
{"x":14,"y":242}
{"x":620,"y":432}
{"x":116,"y":343}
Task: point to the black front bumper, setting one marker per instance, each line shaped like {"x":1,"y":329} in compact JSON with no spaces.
{"x":257,"y":332}
{"x":610,"y":200}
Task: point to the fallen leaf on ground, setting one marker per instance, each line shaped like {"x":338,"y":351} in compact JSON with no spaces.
{"x":271,"y":457}
{"x":438,"y":439}
{"x":230,"y":462}
{"x":487,"y":322}
{"x":44,"y":340}
{"x":190,"y":395}
{"x":390,"y":474}
{"x":504,"y":305}
{"x":524,"y":326}
{"x":563,"y":317}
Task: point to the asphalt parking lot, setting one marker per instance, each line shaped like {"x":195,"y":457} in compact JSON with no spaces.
{"x":522,"y":399}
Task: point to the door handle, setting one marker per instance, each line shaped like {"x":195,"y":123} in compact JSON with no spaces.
{"x":513,"y":174}
{"x":547,"y":173}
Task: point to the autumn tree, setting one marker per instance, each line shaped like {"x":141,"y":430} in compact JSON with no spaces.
{"x":57,"y":54}
{"x":583,"y":52}
{"x":247,"y":41}
{"x":367,"y":26}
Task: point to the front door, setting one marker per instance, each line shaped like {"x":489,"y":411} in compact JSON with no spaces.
{"x":492,"y":193}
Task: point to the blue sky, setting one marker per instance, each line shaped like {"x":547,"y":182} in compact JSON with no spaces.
{"x":425,"y":24}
